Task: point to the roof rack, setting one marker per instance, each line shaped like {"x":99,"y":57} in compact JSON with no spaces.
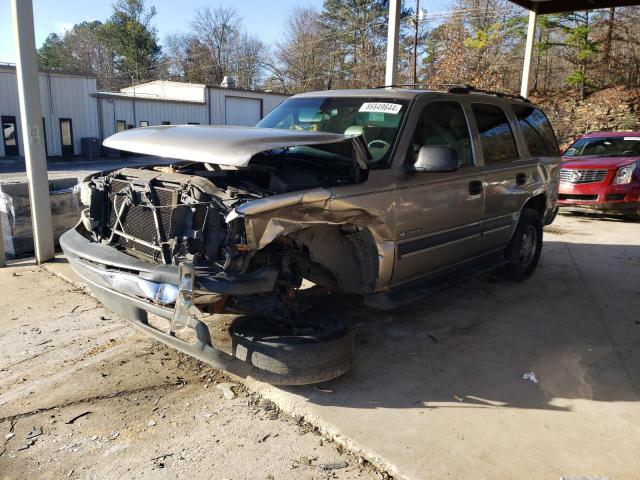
{"x":400,"y":85}
{"x":458,"y":88}
{"x":455,"y":88}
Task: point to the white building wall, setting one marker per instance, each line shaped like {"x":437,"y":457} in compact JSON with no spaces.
{"x":154,"y":112}
{"x":61,"y":96}
{"x":190,"y":92}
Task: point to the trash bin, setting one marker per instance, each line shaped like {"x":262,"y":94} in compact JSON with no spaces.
{"x":90,"y":147}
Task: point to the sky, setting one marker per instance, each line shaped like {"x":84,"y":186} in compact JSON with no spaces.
{"x":263,"y":18}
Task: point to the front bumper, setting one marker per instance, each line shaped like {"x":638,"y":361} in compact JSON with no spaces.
{"x":132,"y":289}
{"x":600,"y":197}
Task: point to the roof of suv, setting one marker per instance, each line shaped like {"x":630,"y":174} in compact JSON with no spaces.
{"x":408,"y":93}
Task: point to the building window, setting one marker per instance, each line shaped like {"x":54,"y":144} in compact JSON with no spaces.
{"x":121,"y":126}
{"x":144,"y":123}
{"x":193,"y":123}
{"x":164,"y":122}
{"x":129,"y":126}
{"x":66,"y":136}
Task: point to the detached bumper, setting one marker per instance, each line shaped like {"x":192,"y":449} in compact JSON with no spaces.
{"x":133,"y":288}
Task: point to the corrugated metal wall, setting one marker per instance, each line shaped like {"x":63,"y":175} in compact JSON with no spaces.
{"x":61,"y":96}
{"x":152,"y":111}
{"x":76,"y":98}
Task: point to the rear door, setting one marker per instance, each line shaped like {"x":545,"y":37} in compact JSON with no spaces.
{"x":438,"y":215}
{"x":505,"y":174}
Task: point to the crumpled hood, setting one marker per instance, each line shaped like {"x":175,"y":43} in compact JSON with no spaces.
{"x":588,"y":162}
{"x":222,"y":145}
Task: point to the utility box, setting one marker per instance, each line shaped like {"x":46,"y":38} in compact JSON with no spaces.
{"x":90,"y":147}
{"x":15,"y":213}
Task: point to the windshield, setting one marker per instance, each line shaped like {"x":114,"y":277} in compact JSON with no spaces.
{"x":605,"y":147}
{"x":376,"y":119}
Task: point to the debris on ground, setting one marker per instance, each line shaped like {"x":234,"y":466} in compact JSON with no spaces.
{"x":26,"y":444}
{"x":152,"y":423}
{"x":334,"y":466}
{"x":9,"y":436}
{"x":323,"y":390}
{"x":227,"y":390}
{"x":72,"y":420}
{"x":530,"y":376}
{"x":34,"y":432}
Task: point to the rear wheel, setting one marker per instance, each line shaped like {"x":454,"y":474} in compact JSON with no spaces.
{"x":523,"y":252}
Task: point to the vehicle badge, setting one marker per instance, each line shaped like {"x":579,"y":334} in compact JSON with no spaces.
{"x":575,"y":176}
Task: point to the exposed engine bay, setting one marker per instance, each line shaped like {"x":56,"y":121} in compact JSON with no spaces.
{"x":167,"y":215}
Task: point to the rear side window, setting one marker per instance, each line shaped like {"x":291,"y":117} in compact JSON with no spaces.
{"x":537,"y":131}
{"x":496,"y":137}
{"x":444,"y":124}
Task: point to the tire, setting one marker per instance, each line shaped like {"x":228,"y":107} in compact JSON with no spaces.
{"x":523,"y":251}
{"x":315,"y":352}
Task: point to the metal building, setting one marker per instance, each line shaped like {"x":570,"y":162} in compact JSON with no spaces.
{"x":163,"y":102}
{"x":68,"y":112}
{"x":73,"y":108}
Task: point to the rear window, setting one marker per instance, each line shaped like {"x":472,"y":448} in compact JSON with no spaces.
{"x":537,"y":131}
{"x":496,"y":137}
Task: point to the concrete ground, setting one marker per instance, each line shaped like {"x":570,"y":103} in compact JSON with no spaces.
{"x":13,"y":170}
{"x":437,"y":390}
{"x":83,"y":395}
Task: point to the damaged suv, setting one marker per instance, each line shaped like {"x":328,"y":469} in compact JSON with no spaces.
{"x":385,"y":193}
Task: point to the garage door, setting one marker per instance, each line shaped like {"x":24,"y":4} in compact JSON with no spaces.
{"x":242,"y":111}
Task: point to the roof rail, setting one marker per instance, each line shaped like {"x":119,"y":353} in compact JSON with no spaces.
{"x":457,"y":88}
{"x":399,"y":85}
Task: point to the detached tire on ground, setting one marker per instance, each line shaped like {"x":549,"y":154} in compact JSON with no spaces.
{"x":314,"y":352}
{"x":523,"y":252}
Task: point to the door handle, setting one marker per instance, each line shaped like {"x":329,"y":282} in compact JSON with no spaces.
{"x":475,"y":187}
{"x":521,"y":178}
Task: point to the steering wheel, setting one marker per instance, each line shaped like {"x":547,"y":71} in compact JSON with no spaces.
{"x":378,"y":144}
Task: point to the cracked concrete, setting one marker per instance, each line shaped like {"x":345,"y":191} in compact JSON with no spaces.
{"x":437,"y":389}
{"x":113,"y":404}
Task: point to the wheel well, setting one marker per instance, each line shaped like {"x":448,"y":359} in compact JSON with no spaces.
{"x":348,"y":254}
{"x":537,"y":203}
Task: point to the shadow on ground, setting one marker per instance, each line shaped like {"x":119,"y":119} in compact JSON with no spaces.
{"x":574,"y":324}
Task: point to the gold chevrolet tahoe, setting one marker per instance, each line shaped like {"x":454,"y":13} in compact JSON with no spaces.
{"x":387,"y":193}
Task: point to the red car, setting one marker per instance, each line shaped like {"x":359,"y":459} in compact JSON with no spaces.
{"x":601,"y":173}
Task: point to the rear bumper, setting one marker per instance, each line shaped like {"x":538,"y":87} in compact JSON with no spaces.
{"x":600,"y":197}
{"x":133,"y":289}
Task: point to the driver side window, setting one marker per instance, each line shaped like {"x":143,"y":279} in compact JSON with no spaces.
{"x":444,"y":124}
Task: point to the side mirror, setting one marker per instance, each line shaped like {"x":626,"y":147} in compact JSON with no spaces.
{"x":433,"y":158}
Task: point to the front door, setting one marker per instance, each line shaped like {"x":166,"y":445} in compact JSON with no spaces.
{"x":66,"y":137}
{"x":10,"y":136}
{"x":438,"y":214}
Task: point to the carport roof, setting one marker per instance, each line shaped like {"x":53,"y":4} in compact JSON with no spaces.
{"x":557,"y":6}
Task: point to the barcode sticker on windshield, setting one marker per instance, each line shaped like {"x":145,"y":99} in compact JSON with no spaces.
{"x":380,"y":107}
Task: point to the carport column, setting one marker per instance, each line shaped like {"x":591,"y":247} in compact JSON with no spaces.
{"x":528,"y":53}
{"x":393,"y":38}
{"x":31,"y":122}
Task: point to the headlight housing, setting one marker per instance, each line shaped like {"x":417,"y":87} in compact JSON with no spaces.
{"x":624,"y":174}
